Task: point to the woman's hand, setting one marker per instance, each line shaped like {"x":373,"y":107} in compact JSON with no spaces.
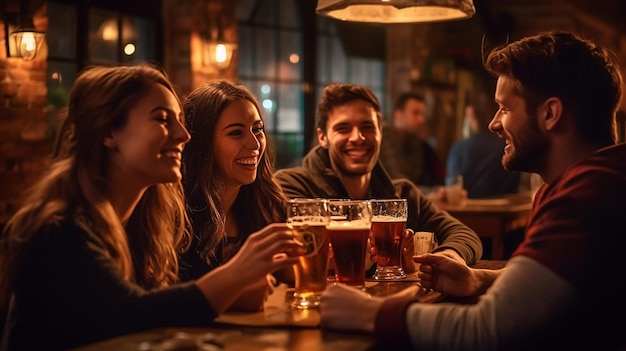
{"x":265,"y":251}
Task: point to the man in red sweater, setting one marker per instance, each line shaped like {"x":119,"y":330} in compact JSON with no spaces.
{"x":564,"y":288}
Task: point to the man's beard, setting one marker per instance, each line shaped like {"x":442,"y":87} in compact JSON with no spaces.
{"x":528,"y":151}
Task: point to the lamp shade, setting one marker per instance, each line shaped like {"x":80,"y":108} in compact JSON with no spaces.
{"x":396,"y":11}
{"x":217,"y":53}
{"x":25,"y":43}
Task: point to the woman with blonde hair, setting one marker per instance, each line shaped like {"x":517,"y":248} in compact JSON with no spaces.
{"x":93,"y":251}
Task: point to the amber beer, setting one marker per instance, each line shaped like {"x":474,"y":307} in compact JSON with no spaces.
{"x":388,"y":226}
{"x":310,"y":271}
{"x":388,"y":233}
{"x":349,"y":242}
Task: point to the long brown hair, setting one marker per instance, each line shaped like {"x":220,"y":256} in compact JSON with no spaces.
{"x":257,"y":205}
{"x":76,"y":187}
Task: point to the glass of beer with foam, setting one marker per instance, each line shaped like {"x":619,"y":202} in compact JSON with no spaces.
{"x":308,"y":218}
{"x":388,"y":229}
{"x":348,"y":229}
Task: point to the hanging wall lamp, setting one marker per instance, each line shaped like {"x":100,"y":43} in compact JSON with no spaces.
{"x":22,"y":39}
{"x":396,"y":11}
{"x":216,"y":51}
{"x":25,"y":42}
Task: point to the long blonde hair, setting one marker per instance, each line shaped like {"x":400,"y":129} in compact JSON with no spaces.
{"x":76,"y":188}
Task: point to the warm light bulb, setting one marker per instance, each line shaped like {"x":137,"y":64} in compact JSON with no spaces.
{"x":28,"y":46}
{"x":129,"y":49}
{"x":220,"y":53}
{"x":109,"y":30}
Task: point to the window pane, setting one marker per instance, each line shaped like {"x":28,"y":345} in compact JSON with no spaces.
{"x":243,"y":10}
{"x":288,"y":14}
{"x":245,"y":61}
{"x":267,"y":94}
{"x":289,"y":148}
{"x":266,"y":53}
{"x":290,"y":62}
{"x":267,"y":13}
{"x":61,"y":34}
{"x":103,"y":36}
{"x":138,"y":39}
{"x":326,"y":25}
{"x":377,"y":69}
{"x":358,"y":72}
{"x":323,"y":63}
{"x":338,"y":72}
{"x":289,"y":105}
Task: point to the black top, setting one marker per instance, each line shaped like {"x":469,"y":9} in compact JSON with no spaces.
{"x":68,"y":293}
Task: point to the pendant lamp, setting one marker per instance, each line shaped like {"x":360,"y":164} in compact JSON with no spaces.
{"x":396,"y":11}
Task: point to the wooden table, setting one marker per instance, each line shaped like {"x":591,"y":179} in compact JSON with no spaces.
{"x":296,"y":331}
{"x":236,"y":338}
{"x":493,"y":218}
{"x":277,"y":330}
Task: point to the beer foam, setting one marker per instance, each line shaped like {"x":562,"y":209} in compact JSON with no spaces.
{"x":351,"y":225}
{"x":307,"y":220}
{"x":388,"y":219}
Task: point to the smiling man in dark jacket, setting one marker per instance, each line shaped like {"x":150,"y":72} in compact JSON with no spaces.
{"x":345,"y":165}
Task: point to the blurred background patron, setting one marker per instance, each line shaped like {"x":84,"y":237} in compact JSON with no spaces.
{"x":478,"y":157}
{"x":404,"y":152}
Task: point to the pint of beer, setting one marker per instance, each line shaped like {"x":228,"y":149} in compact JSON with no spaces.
{"x":308,"y":218}
{"x":388,"y":225}
{"x":348,"y":229}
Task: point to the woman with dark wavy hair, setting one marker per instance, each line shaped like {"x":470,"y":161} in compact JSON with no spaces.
{"x":228,"y":178}
{"x":93,"y":252}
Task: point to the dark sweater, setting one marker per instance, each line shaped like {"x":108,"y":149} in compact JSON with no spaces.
{"x":68,"y":294}
{"x":315,"y":178}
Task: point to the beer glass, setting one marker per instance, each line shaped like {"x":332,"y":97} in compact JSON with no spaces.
{"x":388,"y":227}
{"x":308,"y":218}
{"x":348,"y":229}
{"x":454,"y":190}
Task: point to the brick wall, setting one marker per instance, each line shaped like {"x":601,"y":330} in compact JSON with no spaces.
{"x":25,"y":130}
{"x":184,"y":21}
{"x":27,"y":124}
